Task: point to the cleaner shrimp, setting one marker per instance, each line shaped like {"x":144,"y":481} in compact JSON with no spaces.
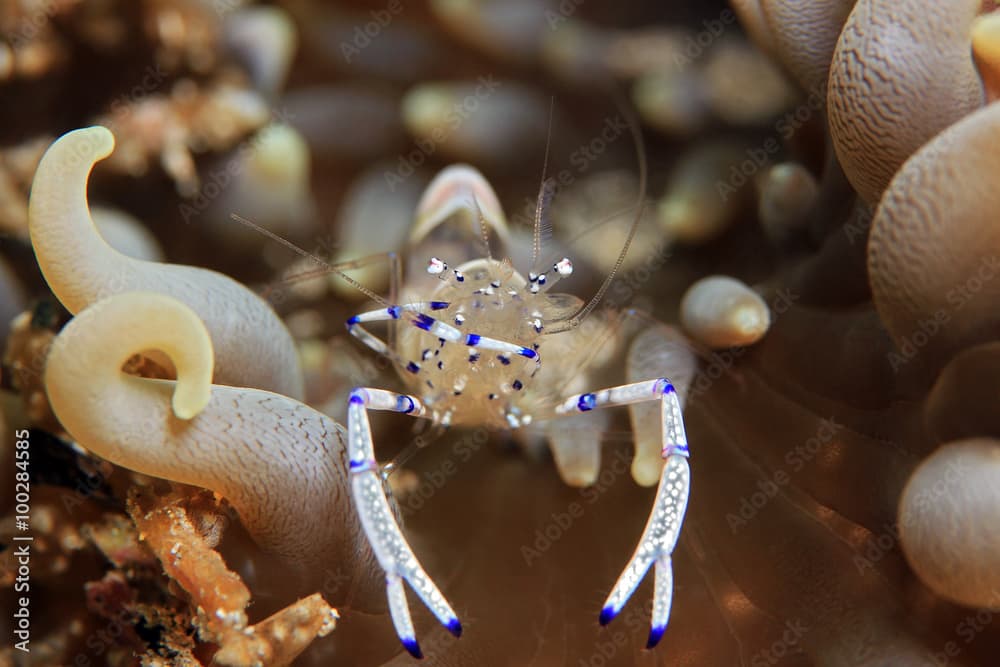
{"x":470,"y":350}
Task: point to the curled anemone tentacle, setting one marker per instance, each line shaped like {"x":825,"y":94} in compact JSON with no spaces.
{"x":902,"y":72}
{"x":803,"y":438}
{"x":280,"y":463}
{"x":934,"y":249}
{"x":81,"y":268}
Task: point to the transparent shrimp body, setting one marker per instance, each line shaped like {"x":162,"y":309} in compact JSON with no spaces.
{"x":469,"y":382}
{"x":470,"y":344}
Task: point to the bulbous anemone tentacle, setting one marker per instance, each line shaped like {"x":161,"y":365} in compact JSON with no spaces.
{"x":721,"y":312}
{"x":934,"y":249}
{"x":281,"y":464}
{"x":252,"y":346}
{"x":657,"y":350}
{"x":963,"y":401}
{"x":986,"y":53}
{"x":751,"y":15}
{"x":805,"y":34}
{"x":902,"y":72}
{"x":947,"y":522}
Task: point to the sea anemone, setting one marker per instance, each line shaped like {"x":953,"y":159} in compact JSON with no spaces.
{"x":819,"y":259}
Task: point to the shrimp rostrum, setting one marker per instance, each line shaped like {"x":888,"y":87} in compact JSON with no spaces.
{"x":471,"y":349}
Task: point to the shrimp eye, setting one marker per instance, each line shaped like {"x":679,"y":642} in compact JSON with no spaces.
{"x":436,"y":266}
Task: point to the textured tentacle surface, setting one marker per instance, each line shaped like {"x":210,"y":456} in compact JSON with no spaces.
{"x":280,"y":463}
{"x":81,"y":268}
{"x":902,"y":72}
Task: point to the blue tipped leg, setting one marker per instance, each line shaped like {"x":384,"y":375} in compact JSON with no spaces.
{"x":655,"y":635}
{"x":607,"y":615}
{"x":454,"y":627}
{"x":413,"y":648}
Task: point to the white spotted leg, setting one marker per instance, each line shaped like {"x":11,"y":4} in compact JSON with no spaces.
{"x":663,"y":527}
{"x":383,"y":533}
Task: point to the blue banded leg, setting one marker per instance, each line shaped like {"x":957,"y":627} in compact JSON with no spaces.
{"x":421,"y":320}
{"x":383,"y":533}
{"x":663,"y":527}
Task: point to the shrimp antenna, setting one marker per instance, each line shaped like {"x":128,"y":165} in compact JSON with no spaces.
{"x":633,"y":126}
{"x":288,"y":244}
{"x":544,"y":195}
{"x":484,"y":233}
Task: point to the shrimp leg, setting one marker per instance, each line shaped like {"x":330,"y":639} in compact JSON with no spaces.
{"x":390,"y":547}
{"x":663,"y":527}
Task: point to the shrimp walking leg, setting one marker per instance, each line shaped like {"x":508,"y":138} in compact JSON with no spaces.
{"x":663,"y":527}
{"x":390,"y":547}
